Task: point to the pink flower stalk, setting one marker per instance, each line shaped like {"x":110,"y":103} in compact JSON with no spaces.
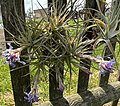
{"x":31,"y":97}
{"x":12,"y":56}
{"x":61,"y":87}
{"x":106,"y":66}
{"x":103,"y":65}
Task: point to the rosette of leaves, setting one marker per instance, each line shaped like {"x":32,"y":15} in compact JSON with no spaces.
{"x":108,"y":21}
{"x":107,"y":24}
{"x":53,"y":39}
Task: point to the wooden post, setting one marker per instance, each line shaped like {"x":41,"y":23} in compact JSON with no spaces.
{"x":83,"y":78}
{"x":95,"y":97}
{"x":115,"y":103}
{"x":54,"y":93}
{"x":103,"y":79}
{"x":11,"y":11}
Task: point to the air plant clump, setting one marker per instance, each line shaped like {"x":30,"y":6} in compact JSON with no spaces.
{"x":51,"y":41}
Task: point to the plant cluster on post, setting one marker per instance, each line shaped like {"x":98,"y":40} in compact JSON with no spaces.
{"x":56,"y":72}
{"x":56,"y":41}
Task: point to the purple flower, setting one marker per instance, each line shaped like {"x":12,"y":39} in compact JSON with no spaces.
{"x":10,"y":46}
{"x":31,"y":97}
{"x":88,"y":71}
{"x":12,"y":64}
{"x":106,"y":66}
{"x":102,"y":72}
{"x":61,"y":87}
{"x":22,"y":62}
{"x":12,"y":56}
{"x":109,"y":64}
{"x":6,"y":52}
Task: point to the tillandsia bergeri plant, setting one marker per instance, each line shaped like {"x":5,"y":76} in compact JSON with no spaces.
{"x":107,"y":23}
{"x":55,"y":39}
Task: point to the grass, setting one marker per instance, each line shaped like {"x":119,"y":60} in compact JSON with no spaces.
{"x":6,"y":96}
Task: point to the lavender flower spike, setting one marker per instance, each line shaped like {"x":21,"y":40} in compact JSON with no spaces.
{"x":106,"y":66}
{"x":10,"y":46}
{"x":12,"y":56}
{"x":31,"y":97}
{"x":61,"y":87}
